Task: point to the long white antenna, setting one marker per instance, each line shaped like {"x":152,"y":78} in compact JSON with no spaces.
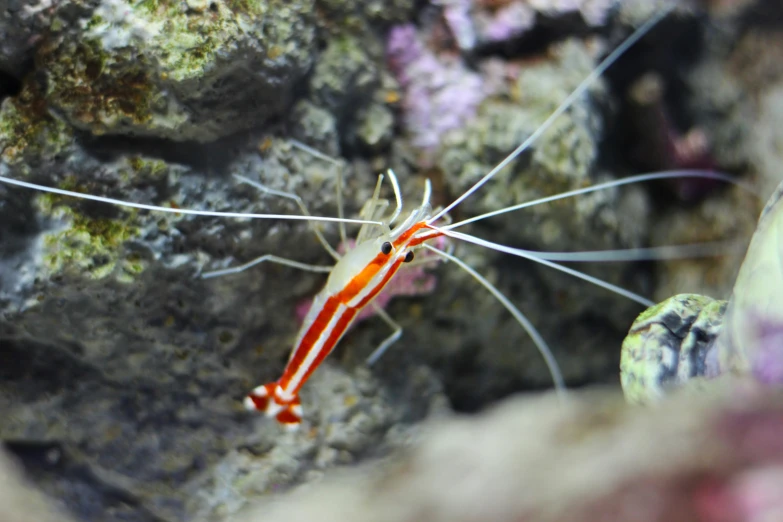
{"x":397,"y":196}
{"x":610,"y":184}
{"x":581,"y":88}
{"x":528,"y":255}
{"x":707,"y":249}
{"x":120,"y":203}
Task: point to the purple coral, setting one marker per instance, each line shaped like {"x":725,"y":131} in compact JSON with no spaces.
{"x":515,"y":17}
{"x":506,"y":22}
{"x":759,"y":494}
{"x":440,"y":93}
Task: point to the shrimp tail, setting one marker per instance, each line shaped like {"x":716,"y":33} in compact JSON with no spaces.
{"x":268,"y":400}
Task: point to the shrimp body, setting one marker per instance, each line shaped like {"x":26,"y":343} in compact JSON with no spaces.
{"x":353,"y":283}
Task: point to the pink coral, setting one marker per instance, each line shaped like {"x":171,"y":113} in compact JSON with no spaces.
{"x":754,"y":495}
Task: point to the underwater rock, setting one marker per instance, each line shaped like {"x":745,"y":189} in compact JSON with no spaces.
{"x":670,"y":345}
{"x":23,"y":24}
{"x":345,"y":77}
{"x":114,"y":351}
{"x":358,"y":16}
{"x":143,"y":440}
{"x":178,"y":71}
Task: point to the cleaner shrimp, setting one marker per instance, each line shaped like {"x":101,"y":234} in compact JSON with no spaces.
{"x":385,"y":246}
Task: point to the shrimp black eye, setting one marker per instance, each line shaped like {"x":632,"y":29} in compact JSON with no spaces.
{"x":386,"y":248}
{"x":408,"y":257}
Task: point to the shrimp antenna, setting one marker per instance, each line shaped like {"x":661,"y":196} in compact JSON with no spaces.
{"x":691,"y":250}
{"x":338,"y":185}
{"x":526,"y":254}
{"x":580,"y":89}
{"x":543,"y":348}
{"x":142,"y":206}
{"x":425,"y":198}
{"x":669,"y":174}
{"x":397,"y":196}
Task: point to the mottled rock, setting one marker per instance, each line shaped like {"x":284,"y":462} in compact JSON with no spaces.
{"x":376,"y":128}
{"x":30,"y":135}
{"x":359,"y":15}
{"x":563,"y":159}
{"x":670,"y":345}
{"x":345,"y":77}
{"x":23,"y":24}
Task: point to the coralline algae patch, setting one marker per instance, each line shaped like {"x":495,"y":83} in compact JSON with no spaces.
{"x":90,"y":245}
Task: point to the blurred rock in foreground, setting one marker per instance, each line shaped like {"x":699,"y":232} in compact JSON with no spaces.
{"x":711,"y":457}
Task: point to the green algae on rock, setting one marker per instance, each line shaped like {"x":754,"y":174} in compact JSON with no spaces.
{"x":29,"y":133}
{"x":356,"y":16}
{"x":90,"y":245}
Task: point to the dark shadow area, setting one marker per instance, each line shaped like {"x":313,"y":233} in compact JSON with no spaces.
{"x":29,"y":369}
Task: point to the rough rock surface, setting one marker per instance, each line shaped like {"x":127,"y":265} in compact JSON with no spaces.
{"x":115,"y":355}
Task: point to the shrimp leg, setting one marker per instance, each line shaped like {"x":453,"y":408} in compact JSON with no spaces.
{"x":300,"y":203}
{"x":270,"y":258}
{"x":393,"y":338}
